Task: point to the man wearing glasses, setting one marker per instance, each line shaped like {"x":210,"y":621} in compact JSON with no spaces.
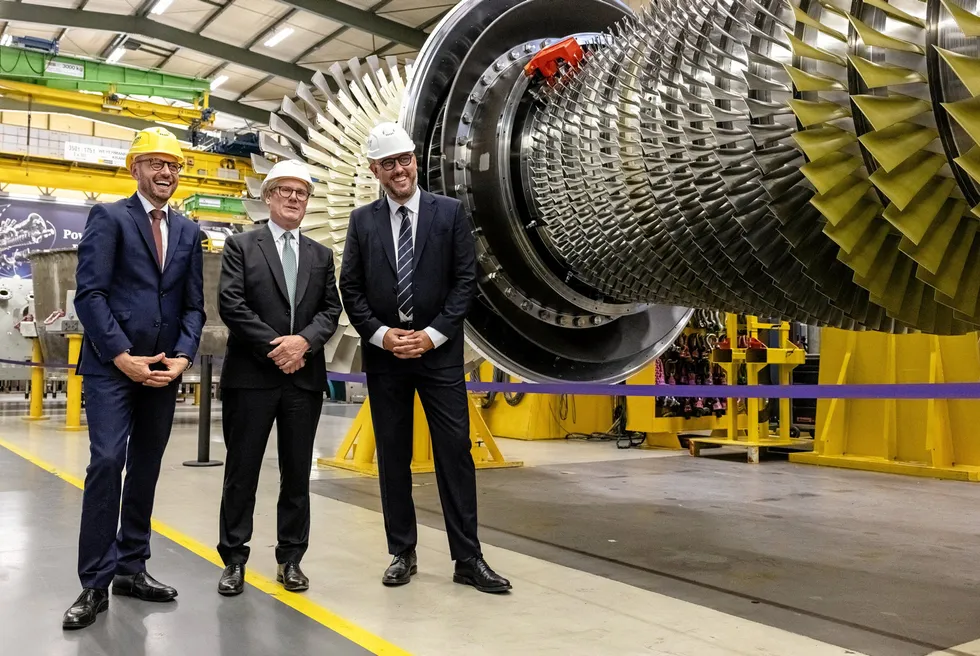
{"x":407,"y":280}
{"x":140,"y":299}
{"x":278,"y":297}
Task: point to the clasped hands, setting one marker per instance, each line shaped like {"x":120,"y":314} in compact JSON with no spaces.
{"x":407,"y":344}
{"x":137,"y":368}
{"x":289,"y":354}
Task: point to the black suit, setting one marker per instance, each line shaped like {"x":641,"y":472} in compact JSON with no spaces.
{"x":443,"y":286}
{"x":254,"y":304}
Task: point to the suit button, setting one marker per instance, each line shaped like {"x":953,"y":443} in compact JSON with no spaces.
{"x":156,"y":324}
{"x":162,"y":294}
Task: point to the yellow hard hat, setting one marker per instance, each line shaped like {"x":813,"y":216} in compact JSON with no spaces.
{"x":154,"y":140}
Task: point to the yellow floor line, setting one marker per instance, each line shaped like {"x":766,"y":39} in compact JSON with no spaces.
{"x":314,"y":611}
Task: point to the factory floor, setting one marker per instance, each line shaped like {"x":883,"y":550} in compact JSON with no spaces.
{"x":610,"y":552}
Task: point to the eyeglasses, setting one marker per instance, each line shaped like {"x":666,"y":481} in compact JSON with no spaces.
{"x":405,"y":160}
{"x":286,"y":192}
{"x":158,"y":164}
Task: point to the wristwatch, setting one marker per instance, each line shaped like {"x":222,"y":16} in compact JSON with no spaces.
{"x":190,"y":361}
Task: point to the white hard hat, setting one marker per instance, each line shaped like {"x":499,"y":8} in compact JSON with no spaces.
{"x":388,"y":139}
{"x":288,"y":168}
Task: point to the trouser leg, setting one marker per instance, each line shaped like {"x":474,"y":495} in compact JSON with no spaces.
{"x":153,"y":417}
{"x":443,"y":396}
{"x":392,"y":399}
{"x":247,"y":417}
{"x":109,"y":411}
{"x":296,"y":422}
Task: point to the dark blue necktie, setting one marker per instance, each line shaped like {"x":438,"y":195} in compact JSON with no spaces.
{"x":406,"y":255}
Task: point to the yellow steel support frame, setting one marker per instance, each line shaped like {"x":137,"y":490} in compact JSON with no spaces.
{"x":73,"y":413}
{"x":101,"y":104}
{"x":55,"y":173}
{"x":755,"y":436}
{"x":37,"y":383}
{"x":357,"y":451}
{"x":545,"y":416}
{"x":932,"y":437}
{"x":664,"y":432}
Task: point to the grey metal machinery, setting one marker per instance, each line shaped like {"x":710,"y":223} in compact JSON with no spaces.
{"x":813,"y":160}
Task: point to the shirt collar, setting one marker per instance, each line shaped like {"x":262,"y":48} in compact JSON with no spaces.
{"x":412,"y":203}
{"x":147,"y":206}
{"x":278,"y":231}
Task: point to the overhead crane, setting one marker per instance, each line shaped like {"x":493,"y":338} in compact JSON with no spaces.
{"x":206,"y":173}
{"x":88,"y":85}
{"x":91,"y":85}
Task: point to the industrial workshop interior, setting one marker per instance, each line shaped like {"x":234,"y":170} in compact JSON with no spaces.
{"x":489,"y":327}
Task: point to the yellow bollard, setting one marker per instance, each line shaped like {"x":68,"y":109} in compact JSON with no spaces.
{"x":73,"y":414}
{"x":37,"y":384}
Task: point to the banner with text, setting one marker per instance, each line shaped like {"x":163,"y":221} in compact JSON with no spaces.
{"x":35,"y":225}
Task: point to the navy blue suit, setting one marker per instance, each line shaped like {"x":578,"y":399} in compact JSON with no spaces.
{"x":125,"y":302}
{"x":443,"y":288}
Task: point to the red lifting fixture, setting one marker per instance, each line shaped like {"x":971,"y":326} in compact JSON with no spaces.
{"x":546,"y":62}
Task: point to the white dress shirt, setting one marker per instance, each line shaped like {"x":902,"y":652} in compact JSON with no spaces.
{"x":438,"y":339}
{"x":164,"y":227}
{"x":277,"y":233}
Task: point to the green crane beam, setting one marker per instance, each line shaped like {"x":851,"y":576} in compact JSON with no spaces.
{"x":77,"y":74}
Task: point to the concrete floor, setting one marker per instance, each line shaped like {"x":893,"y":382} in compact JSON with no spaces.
{"x":39,"y":516}
{"x":610,"y":552}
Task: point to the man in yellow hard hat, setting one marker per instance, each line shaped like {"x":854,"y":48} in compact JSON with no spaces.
{"x":140,"y":299}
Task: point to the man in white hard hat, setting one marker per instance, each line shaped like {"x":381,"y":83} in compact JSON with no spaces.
{"x":278,"y":297}
{"x":140,"y":297}
{"x":407,"y":281}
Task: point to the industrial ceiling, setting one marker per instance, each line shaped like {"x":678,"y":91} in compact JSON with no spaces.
{"x":253,"y":51}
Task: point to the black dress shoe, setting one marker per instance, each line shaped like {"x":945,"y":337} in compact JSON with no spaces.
{"x":292,"y":577}
{"x":142,"y":586}
{"x":86,"y":608}
{"x":476,"y":572}
{"x":232,"y":580}
{"x":401,"y":569}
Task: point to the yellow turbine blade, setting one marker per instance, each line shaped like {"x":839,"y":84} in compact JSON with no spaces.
{"x":882,"y":75}
{"x":813,"y":112}
{"x":929,"y":252}
{"x":883,"y":111}
{"x":965,"y":67}
{"x":893,"y":145}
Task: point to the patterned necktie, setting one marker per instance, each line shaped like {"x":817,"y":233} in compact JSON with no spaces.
{"x":156,"y":220}
{"x":405,"y":256}
{"x":289,"y":272}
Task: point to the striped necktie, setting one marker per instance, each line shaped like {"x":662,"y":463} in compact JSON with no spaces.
{"x":405,"y":257}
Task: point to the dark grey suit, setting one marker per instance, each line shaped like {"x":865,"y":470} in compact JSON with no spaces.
{"x":253,"y":302}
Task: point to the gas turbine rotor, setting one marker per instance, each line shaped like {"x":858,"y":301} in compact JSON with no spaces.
{"x":814,"y":162}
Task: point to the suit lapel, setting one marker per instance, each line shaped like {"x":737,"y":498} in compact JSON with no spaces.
{"x":143,"y":225}
{"x":268,"y":247}
{"x":382,"y":223}
{"x":173,"y":236}
{"x":303,"y":272}
{"x":427,"y":212}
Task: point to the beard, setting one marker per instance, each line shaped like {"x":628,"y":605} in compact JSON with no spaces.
{"x":397,"y":195}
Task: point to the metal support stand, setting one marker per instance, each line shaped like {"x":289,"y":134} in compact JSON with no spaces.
{"x":37,"y":385}
{"x":204,"y":420}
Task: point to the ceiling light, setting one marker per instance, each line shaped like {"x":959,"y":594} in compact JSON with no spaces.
{"x":278,"y":37}
{"x":161,"y":6}
{"x":218,"y":81}
{"x":116,"y":55}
